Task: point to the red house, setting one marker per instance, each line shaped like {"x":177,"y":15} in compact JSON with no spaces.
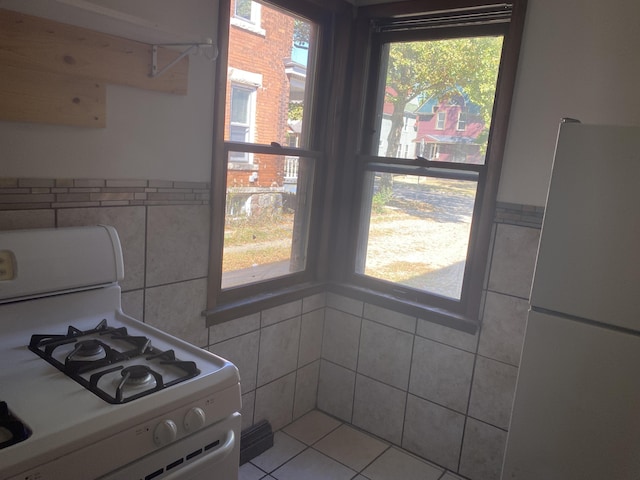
{"x":451,"y":131}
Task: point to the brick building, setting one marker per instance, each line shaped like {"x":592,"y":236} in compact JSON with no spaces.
{"x":260,"y":45}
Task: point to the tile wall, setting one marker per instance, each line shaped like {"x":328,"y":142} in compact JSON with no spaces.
{"x":164,"y":231}
{"x":440,"y":393}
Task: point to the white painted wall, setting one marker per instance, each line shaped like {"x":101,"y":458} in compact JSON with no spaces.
{"x":580,"y":59}
{"x":149,"y":135}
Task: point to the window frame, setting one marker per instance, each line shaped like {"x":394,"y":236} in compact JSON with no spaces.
{"x":229,"y":303}
{"x":462,"y":314}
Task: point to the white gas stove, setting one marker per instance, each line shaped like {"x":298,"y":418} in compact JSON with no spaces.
{"x":87,"y":392}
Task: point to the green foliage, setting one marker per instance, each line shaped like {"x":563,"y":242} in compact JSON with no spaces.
{"x":296,"y":110}
{"x":301,"y":33}
{"x":381,"y":199}
{"x":440,"y":69}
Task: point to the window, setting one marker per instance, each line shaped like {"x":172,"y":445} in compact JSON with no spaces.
{"x":462,"y":121}
{"x":241,"y":119}
{"x":247,"y":10}
{"x":421,"y":227}
{"x":311,"y":188}
{"x":266,"y":159}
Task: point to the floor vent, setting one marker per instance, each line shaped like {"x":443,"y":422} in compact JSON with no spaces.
{"x":255,"y":440}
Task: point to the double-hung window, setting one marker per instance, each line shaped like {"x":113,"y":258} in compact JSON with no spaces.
{"x":265,"y":212}
{"x":421,"y":227}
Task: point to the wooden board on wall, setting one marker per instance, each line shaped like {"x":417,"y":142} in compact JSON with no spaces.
{"x":34,"y":43}
{"x":43,"y":97}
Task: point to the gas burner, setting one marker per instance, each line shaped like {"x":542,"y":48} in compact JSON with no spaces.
{"x":12,"y":430}
{"x":136,"y":375}
{"x":88,"y":349}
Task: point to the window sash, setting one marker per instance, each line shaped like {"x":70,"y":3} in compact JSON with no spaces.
{"x":468,"y":305}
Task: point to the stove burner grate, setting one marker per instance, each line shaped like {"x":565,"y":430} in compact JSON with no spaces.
{"x":92,"y":354}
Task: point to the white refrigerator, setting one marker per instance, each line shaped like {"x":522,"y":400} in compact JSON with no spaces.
{"x":576,"y":413}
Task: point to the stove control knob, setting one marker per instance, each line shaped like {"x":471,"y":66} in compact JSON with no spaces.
{"x":194,"y":419}
{"x":165,"y":432}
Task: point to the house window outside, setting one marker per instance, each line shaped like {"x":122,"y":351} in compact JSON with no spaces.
{"x":462,"y":121}
{"x":422,"y":233}
{"x":241,"y":119}
{"x":265,"y":205}
{"x":248,"y":11}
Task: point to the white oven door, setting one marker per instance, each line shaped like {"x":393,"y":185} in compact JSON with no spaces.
{"x":210,"y":454}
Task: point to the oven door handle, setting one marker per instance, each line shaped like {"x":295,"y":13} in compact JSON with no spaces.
{"x":209,"y":460}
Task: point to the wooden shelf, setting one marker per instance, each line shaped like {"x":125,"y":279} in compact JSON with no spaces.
{"x":56,"y":72}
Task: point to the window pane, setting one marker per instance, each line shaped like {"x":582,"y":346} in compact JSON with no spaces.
{"x":418,"y":231}
{"x":243,"y":9}
{"x":429,"y":86}
{"x":269,"y":75}
{"x":266,"y":220}
{"x":240,"y":105}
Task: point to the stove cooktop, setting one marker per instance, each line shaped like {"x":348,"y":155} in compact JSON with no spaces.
{"x":112,"y":364}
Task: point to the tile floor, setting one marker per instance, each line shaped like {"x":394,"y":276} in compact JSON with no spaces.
{"x":319,"y":447}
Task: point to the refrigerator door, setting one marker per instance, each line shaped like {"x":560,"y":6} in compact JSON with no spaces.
{"x":589,"y":256}
{"x":576,"y":414}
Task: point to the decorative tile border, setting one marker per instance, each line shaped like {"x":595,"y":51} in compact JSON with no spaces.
{"x":521,"y":215}
{"x":43,"y":193}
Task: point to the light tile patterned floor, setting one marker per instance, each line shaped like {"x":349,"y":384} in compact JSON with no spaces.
{"x":319,"y":447}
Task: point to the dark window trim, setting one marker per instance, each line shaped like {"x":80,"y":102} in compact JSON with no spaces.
{"x":333,"y":18}
{"x":457,"y":314}
{"x":346,"y":43}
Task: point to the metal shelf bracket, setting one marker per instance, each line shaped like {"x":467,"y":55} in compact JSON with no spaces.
{"x":156,"y":71}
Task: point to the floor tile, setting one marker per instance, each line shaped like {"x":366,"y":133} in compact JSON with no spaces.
{"x":249,"y":471}
{"x":312,"y":427}
{"x":312,"y":465}
{"x":284,"y":449}
{"x":395,"y":464}
{"x":351,"y":447}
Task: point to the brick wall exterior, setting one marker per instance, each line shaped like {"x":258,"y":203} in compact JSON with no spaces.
{"x":254,"y":52}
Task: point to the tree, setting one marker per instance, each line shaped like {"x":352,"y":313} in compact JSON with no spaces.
{"x":440,"y":69}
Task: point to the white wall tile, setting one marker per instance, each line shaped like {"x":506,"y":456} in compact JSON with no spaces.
{"x":450,"y":336}
{"x":279,"y":345}
{"x":385,"y":354}
{"x":314,"y":302}
{"x":492,"y":392}
{"x":379,"y":409}
{"x":513,"y":262}
{"x":503,"y":328}
{"x":242,"y":351}
{"x":433,"y":432}
{"x":482,"y":451}
{"x":312,"y":328}
{"x":336,"y":388}
{"x":177,"y":309}
{"x":441,"y":374}
{"x":274,"y":402}
{"x":341,"y":338}
{"x":177,"y":243}
{"x":233,"y":328}
{"x":345,"y":304}
{"x":306,"y":389}
{"x":281,"y":312}
{"x":390,"y":318}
